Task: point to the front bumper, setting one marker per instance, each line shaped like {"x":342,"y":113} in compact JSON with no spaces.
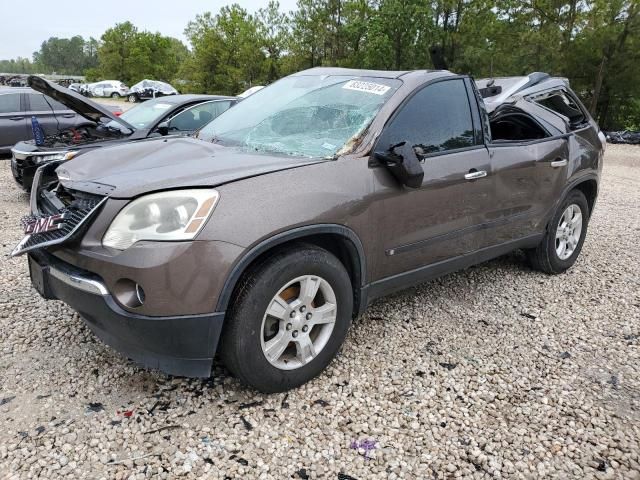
{"x":177,"y":345}
{"x":23,"y":169}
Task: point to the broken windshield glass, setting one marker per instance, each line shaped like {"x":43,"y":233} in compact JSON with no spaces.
{"x":309,"y":116}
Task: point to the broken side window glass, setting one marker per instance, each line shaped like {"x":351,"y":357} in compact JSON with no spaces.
{"x":561,"y":103}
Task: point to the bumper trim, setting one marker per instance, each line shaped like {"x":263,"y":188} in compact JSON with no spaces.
{"x":79,"y":282}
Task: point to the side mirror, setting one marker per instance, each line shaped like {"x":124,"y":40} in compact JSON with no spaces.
{"x":403,"y":163}
{"x":163,"y":128}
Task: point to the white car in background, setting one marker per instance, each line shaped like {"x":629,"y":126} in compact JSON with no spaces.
{"x":108,"y":88}
{"x":147,"y":89}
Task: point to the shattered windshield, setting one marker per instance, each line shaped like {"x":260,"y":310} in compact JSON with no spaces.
{"x":309,"y":116}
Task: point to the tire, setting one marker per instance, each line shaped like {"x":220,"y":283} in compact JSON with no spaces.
{"x":132,"y":98}
{"x":244,"y":343}
{"x":115,"y":95}
{"x":546,"y":256}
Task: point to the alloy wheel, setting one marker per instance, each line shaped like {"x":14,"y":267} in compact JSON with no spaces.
{"x":568,"y":231}
{"x":298,"y":322}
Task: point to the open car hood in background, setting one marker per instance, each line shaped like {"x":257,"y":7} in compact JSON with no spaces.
{"x":76,"y":102}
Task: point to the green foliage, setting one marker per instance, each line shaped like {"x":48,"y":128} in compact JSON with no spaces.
{"x":18,"y":65}
{"x":129,"y":55}
{"x":66,"y":55}
{"x":594,"y":43}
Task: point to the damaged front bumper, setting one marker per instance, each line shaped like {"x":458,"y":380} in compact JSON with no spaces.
{"x":178,"y":345}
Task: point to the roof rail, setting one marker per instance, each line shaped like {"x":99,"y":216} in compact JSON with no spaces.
{"x":534,"y":78}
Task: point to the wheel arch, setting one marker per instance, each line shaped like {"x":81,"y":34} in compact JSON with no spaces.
{"x":589,"y":187}
{"x":339,"y":240}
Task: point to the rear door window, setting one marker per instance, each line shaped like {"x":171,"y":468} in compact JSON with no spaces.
{"x":10,"y":103}
{"x":38,"y":103}
{"x":435,"y":120}
{"x":560,"y":102}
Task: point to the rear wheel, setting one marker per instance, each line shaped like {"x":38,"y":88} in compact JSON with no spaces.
{"x":132,"y":98}
{"x":565,"y":235}
{"x":289,"y":319}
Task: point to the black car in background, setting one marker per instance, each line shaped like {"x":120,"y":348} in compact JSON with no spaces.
{"x":18,"y":105}
{"x":177,"y":114}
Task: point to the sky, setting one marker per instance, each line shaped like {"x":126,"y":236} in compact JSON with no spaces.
{"x":26,"y":24}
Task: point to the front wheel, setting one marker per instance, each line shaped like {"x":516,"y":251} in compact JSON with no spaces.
{"x":289,"y":319}
{"x":115,"y":95}
{"x":564,"y":237}
{"x":132,"y":98}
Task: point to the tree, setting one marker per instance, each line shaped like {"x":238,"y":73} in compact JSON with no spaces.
{"x":130,"y":55}
{"x":70,"y":56}
{"x":228,"y":52}
{"x":593,"y":43}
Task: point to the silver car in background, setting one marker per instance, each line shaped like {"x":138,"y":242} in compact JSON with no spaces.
{"x":108,"y":88}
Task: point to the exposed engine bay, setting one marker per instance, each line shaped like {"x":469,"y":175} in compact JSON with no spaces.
{"x":76,"y":136}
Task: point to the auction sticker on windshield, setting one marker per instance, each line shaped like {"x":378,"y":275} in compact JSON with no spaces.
{"x":368,"y":87}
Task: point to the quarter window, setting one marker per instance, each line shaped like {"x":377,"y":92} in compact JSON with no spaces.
{"x":10,"y":103}
{"x":561,"y":103}
{"x":434,"y":120}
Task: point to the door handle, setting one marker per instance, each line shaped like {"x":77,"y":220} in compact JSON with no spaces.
{"x":559,"y":162}
{"x":69,"y":115}
{"x":15,"y":119}
{"x":475,"y":174}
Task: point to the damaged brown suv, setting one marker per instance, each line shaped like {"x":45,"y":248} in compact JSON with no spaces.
{"x":261,"y":239}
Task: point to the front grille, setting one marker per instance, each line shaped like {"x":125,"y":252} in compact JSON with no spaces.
{"x":74,"y":217}
{"x":17,"y":167}
{"x":53,"y":199}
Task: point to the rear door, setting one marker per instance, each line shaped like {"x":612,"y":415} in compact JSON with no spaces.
{"x":584,"y":142}
{"x":52,"y":115}
{"x":529,"y":176}
{"x":13,"y":120}
{"x":443,"y":218}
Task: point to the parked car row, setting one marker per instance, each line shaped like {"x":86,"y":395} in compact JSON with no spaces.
{"x":260,"y":237}
{"x":143,"y":90}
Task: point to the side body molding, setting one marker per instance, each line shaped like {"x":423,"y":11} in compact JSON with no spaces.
{"x":353,"y":242}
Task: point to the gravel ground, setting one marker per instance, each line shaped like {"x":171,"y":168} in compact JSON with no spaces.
{"x":497,"y":371}
{"x":110,"y":101}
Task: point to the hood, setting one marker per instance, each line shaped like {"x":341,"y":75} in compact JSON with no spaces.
{"x":142,"y":167}
{"x":76,"y":102}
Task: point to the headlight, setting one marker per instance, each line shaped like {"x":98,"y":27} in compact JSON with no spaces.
{"x":165,"y":216}
{"x":40,"y":159}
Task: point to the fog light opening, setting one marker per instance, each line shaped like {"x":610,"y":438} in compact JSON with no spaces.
{"x":129,"y":293}
{"x":140,"y":293}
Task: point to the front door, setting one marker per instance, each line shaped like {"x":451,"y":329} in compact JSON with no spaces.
{"x":441,"y":219}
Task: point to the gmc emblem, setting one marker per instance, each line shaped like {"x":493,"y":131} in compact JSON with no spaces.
{"x":45,"y":224}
